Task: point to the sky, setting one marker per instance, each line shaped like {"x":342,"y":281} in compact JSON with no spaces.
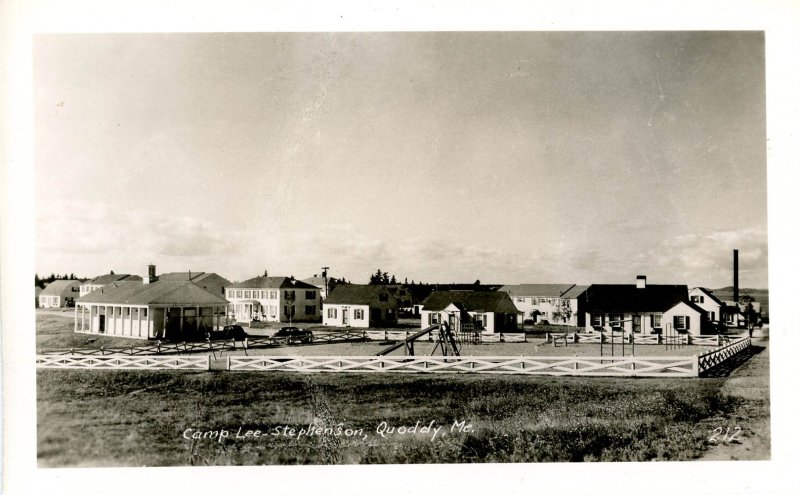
{"x":505,"y":157}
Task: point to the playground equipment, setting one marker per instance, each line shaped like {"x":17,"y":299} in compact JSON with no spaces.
{"x":445,"y":341}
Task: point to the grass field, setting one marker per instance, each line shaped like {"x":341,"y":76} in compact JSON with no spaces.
{"x":127,"y":418}
{"x":138,"y":418}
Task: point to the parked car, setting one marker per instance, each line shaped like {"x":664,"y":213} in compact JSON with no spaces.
{"x":228,"y":332}
{"x":294,"y":334}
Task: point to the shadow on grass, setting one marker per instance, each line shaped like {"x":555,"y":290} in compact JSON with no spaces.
{"x":726,"y":368}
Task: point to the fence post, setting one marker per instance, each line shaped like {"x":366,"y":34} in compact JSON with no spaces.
{"x":719,"y":340}
{"x":228,"y":366}
{"x":696,"y":365}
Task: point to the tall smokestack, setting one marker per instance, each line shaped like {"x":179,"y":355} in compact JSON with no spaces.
{"x":736,"y":275}
{"x":151,"y":274}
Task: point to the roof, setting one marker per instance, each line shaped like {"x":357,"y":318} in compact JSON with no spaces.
{"x":693,"y":306}
{"x":160,"y":292}
{"x":183,"y":276}
{"x":709,"y":294}
{"x":361,"y":294}
{"x":629,"y":298}
{"x":113,"y":277}
{"x":58,"y":287}
{"x":316,"y":281}
{"x":483,"y":301}
{"x":272,"y":283}
{"x":543,"y":290}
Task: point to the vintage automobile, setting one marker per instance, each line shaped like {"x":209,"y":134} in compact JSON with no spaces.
{"x":293,"y":335}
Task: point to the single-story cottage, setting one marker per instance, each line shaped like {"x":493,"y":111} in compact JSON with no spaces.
{"x":643,"y":308}
{"x":361,"y":306}
{"x":60,"y":294}
{"x":482,"y":311}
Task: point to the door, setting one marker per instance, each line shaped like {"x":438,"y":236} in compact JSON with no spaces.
{"x":637,"y":324}
{"x":345,"y":317}
{"x":102,"y":324}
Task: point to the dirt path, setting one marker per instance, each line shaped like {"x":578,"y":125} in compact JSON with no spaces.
{"x":750,"y":383}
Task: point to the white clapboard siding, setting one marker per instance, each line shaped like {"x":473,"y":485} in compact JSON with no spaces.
{"x":121,"y":362}
{"x":685,"y":366}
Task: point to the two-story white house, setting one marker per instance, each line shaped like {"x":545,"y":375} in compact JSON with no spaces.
{"x":554,"y":304}
{"x":705,"y":299}
{"x":280,"y":299}
{"x":103,"y":280}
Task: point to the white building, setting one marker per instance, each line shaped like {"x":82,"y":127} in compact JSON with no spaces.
{"x":281,"y":299}
{"x":554,"y":304}
{"x":59,"y":294}
{"x":103,"y":280}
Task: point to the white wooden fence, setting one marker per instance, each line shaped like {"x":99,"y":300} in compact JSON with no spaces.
{"x":714,"y":358}
{"x":121,"y":362}
{"x":685,"y":366}
{"x":649,"y":339}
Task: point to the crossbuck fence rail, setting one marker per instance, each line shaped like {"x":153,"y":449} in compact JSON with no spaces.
{"x":646,"y":339}
{"x":521,"y":365}
{"x":711,"y":359}
{"x":124,"y":362}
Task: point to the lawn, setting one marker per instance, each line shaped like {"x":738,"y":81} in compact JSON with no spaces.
{"x":138,"y":418}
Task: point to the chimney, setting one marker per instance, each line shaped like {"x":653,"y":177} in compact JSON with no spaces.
{"x":151,"y":274}
{"x":641,"y":281}
{"x":736,"y":275}
{"x":265,"y":273}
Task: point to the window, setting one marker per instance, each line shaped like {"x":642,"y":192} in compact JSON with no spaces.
{"x":655,"y":321}
{"x":332,"y":313}
{"x":681,"y":322}
{"x":127,"y":312}
{"x":480,"y":320}
{"x":273,"y":294}
{"x":358,"y":314}
{"x":311,"y":310}
{"x":597,"y":320}
{"x":288,"y":310}
{"x":288,"y":295}
{"x":144,"y":312}
{"x":238,"y":293}
{"x":698,"y":299}
{"x":521,"y":299}
{"x":273,"y":311}
{"x":247,"y":294}
{"x":231,"y":293}
{"x":311,"y":295}
{"x":616,"y":320}
{"x":433,"y":318}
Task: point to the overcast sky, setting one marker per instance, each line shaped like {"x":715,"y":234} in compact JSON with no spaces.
{"x":504,"y":157}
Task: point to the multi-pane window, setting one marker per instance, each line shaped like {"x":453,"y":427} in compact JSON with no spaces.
{"x":332,"y":313}
{"x":288,"y":295}
{"x":247,"y":294}
{"x":238,"y":293}
{"x":681,"y":322}
{"x":433,"y":318}
{"x":616,"y":320}
{"x":656,"y":321}
{"x":597,"y":320}
{"x":231,"y":293}
{"x":310,"y":310}
{"x":311,"y":295}
{"x":358,"y":314}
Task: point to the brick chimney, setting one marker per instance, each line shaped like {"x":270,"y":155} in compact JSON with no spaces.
{"x":151,"y":274}
{"x":641,"y":281}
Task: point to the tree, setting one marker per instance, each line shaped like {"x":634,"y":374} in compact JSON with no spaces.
{"x":393,"y":280}
{"x":478,"y":282}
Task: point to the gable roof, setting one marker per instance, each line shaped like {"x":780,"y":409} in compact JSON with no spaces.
{"x":160,"y":292}
{"x":483,"y":301}
{"x":361,"y":294}
{"x":58,"y":287}
{"x":629,"y":298}
{"x":709,"y":294}
{"x":272,"y":283}
{"x":544,"y":290}
{"x":112,"y":277}
{"x":195,"y":277}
